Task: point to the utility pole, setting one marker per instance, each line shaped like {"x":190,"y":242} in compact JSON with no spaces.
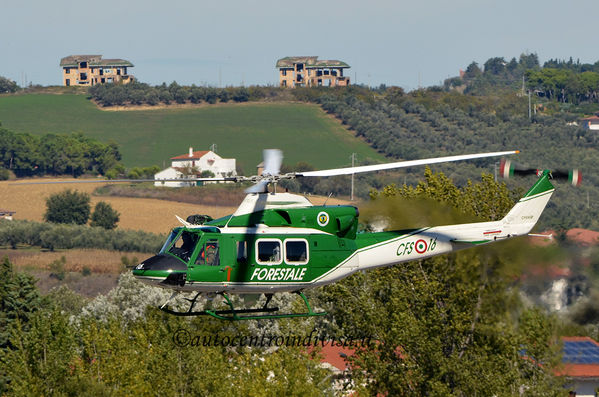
{"x":495,"y":170}
{"x":529,"y":113}
{"x":353,"y":161}
{"x":588,"y":201}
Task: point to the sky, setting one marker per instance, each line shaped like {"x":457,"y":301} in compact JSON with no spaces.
{"x":409,"y":44}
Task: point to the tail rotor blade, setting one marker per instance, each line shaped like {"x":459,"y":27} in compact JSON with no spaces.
{"x":508,"y":169}
{"x":574,"y":176}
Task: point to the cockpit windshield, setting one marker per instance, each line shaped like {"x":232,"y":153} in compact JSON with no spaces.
{"x":168,"y":241}
{"x":181,"y":244}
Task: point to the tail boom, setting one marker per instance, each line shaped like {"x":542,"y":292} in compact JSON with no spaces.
{"x":390,"y":248}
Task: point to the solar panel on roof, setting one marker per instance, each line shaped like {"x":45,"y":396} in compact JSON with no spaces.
{"x":580,"y":352}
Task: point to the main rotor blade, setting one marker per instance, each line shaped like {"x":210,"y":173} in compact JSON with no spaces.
{"x":222,"y":179}
{"x":401,"y":164}
{"x":259,"y":187}
{"x":272,"y":161}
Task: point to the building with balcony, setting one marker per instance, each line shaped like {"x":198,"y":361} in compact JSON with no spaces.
{"x":311,"y":72}
{"x":90,"y":70}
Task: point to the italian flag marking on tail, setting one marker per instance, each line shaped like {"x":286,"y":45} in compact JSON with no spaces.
{"x":575,"y":177}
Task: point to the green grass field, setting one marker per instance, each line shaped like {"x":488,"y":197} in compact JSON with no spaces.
{"x":150,"y":137}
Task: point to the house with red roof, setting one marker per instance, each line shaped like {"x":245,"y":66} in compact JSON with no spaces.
{"x":581,"y":365}
{"x":590,"y":123}
{"x":580,"y":359}
{"x":194,"y":164}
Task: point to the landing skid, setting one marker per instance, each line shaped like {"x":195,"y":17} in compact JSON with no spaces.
{"x":233,"y":314}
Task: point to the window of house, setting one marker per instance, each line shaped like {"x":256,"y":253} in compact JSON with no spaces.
{"x":83,"y":65}
{"x":268,"y":251}
{"x":284,"y":83}
{"x":67,"y":70}
{"x":68,"y":82}
{"x":284,"y":72}
{"x":296,"y":251}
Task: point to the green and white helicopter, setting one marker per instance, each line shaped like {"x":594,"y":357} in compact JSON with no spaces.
{"x":280,"y":242}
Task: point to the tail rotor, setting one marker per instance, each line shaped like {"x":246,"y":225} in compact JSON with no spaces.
{"x":507,"y":169}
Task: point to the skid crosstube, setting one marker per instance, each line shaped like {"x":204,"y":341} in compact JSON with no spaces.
{"x":233,"y":314}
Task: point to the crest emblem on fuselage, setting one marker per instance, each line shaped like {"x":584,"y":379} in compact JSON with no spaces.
{"x":322,"y":219}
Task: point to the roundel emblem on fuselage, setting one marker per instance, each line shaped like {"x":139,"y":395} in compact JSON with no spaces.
{"x":322,"y":219}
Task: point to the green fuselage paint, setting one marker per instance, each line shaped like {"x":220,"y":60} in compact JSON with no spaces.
{"x":280,"y":242}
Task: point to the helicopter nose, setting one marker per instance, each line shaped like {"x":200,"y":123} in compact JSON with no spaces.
{"x":157,"y":268}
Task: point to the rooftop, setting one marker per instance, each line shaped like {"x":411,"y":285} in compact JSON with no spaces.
{"x":580,"y":357}
{"x":310,"y":62}
{"x":198,"y":154}
{"x":92,"y":60}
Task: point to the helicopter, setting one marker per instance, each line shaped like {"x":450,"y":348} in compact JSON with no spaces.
{"x":280,"y":242}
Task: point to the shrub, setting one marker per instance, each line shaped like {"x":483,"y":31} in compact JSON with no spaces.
{"x":104,"y":216}
{"x":68,"y":207}
{"x":64,"y":236}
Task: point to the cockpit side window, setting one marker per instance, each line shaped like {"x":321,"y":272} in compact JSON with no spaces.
{"x":183,"y":246}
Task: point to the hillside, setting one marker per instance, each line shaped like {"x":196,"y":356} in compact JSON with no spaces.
{"x":429,"y":123}
{"x":150,"y":137}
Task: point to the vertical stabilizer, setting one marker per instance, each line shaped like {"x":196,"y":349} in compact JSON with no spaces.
{"x":525,"y":214}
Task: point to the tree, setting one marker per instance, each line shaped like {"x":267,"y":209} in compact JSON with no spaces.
{"x":439,"y":321}
{"x":7,"y":85}
{"x":495,"y":65}
{"x":68,"y":207}
{"x":529,"y":61}
{"x":104,"y":216}
{"x":472,"y":71}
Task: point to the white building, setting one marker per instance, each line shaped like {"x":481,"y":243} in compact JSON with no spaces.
{"x":193,"y":164}
{"x":590,"y":123}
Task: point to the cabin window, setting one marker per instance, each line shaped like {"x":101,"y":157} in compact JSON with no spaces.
{"x":268,"y":251}
{"x":209,"y":254}
{"x":296,"y":251}
{"x":242,"y":252}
